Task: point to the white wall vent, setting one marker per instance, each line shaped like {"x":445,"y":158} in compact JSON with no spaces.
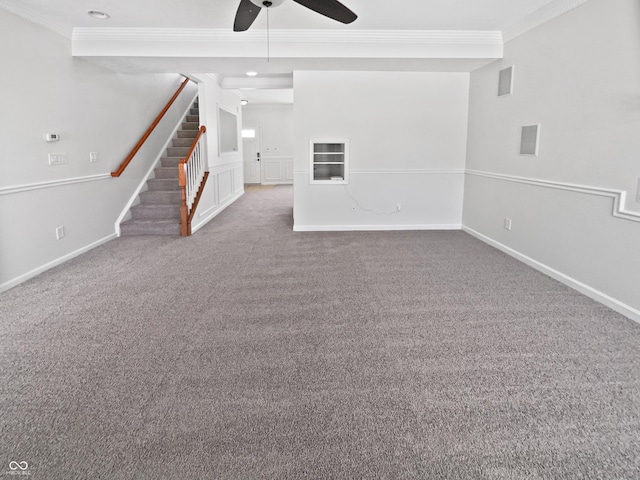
{"x":529,"y":140}
{"x":505,"y":82}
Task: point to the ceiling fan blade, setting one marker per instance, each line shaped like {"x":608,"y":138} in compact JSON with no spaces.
{"x":330,"y":8}
{"x":247,"y":13}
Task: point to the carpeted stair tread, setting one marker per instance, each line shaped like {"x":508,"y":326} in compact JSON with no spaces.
{"x":170,"y":161}
{"x":150,"y":227}
{"x":166,"y":172}
{"x":163,"y":184}
{"x":178,"y":151}
{"x":152,"y":211}
{"x":190,"y":125}
{"x":159,"y":196}
{"x":187,"y":133}
{"x":182,"y":142}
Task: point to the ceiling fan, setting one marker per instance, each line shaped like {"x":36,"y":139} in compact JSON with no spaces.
{"x":248,"y":10}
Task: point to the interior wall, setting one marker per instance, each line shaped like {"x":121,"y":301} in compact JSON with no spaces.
{"x":407,"y":137}
{"x":46,"y":90}
{"x":276,"y":138}
{"x":573,"y":208}
{"x":225,"y":183}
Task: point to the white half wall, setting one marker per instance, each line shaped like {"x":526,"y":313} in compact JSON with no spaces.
{"x":407,"y":135}
{"x":93,"y":110}
{"x":573,"y":208}
{"x":225,"y":183}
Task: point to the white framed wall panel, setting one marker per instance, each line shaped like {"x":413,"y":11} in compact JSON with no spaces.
{"x":238,"y":179}
{"x":289,"y":167}
{"x":272,"y":170}
{"x":225,"y":185}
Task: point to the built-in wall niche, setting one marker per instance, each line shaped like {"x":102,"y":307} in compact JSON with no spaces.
{"x":227,"y":131}
{"x":530,"y":139}
{"x":505,"y":82}
{"x":329,"y":161}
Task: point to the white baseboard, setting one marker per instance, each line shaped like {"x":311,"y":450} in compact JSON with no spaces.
{"x":587,"y":290}
{"x":54,"y":263}
{"x":371,"y":228}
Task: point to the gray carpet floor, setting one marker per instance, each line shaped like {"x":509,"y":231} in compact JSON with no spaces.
{"x":250,"y":351}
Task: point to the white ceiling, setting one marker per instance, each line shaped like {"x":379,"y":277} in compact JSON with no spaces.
{"x":372,"y":14}
{"x":379,"y":35}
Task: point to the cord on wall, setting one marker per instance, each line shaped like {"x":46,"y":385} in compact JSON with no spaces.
{"x":367,"y":209}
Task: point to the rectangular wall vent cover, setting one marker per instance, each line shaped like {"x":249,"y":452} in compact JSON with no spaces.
{"x":529,"y":140}
{"x":505,"y":82}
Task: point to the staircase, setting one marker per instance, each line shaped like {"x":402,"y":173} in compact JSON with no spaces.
{"x":158,"y":212}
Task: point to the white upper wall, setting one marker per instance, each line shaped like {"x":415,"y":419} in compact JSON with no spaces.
{"x":407,"y":134}
{"x":577,"y":75}
{"x":276,"y":126}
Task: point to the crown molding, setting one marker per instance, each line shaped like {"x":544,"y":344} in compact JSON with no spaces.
{"x":540,"y":17}
{"x":34,"y":17}
{"x":452,"y":37}
{"x":310,"y":44}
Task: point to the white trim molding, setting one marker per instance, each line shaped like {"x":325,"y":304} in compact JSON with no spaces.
{"x":571,"y":282}
{"x":308,"y":44}
{"x":619,"y":196}
{"x":52,"y":183}
{"x":223,"y":35}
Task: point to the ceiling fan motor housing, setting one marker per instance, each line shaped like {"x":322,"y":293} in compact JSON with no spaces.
{"x":267,"y":3}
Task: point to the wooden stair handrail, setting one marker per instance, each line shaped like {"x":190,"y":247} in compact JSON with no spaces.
{"x":185,"y":160}
{"x":155,"y":123}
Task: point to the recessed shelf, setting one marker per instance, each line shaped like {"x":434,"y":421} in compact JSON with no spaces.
{"x":329,"y":162}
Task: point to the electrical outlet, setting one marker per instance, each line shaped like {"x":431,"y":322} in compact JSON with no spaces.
{"x":398,"y":206}
{"x":93,"y":157}
{"x":59,"y":233}
{"x":58,"y":158}
{"x":507,"y":223}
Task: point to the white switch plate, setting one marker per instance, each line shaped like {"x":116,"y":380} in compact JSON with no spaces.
{"x":59,"y":233}
{"x":58,"y":158}
{"x":93,"y":156}
{"x":507,"y":223}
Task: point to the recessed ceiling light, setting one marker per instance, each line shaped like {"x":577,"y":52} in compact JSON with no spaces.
{"x":252,"y":74}
{"x":98,"y":15}
{"x":244,"y":102}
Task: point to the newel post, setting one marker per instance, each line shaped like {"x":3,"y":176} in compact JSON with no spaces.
{"x":184,"y":211}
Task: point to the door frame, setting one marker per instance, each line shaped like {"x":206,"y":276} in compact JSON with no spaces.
{"x":258,"y":140}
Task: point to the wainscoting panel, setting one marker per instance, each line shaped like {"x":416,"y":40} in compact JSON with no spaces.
{"x":277,"y":170}
{"x":238,"y":179}
{"x":225,"y":185}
